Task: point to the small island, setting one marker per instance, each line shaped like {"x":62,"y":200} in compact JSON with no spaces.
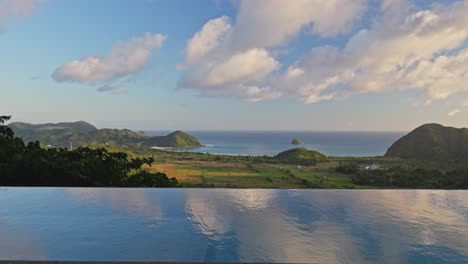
{"x":296,"y":141}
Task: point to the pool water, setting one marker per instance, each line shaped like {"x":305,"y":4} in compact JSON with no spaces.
{"x":234,"y":225}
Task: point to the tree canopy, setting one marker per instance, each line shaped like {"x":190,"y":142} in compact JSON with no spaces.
{"x":32,"y":165}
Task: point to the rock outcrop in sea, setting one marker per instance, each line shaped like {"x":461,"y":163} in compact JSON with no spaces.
{"x":296,"y":141}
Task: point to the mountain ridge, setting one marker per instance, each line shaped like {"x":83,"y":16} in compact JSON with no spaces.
{"x":82,"y":133}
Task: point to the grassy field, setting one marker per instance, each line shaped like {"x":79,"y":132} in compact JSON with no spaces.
{"x":253,"y":175}
{"x":225,"y":171}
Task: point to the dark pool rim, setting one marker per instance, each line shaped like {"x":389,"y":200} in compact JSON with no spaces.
{"x":4,"y":188}
{"x":123,"y":262}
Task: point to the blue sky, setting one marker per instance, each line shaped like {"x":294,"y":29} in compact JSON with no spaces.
{"x":236,"y":65}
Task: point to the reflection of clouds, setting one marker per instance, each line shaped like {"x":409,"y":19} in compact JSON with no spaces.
{"x":18,"y":245}
{"x":437,"y":207}
{"x":308,"y":226}
{"x":427,"y":237}
{"x":420,"y":207}
{"x":431,"y":216}
{"x":209,"y":213}
{"x":348,"y":226}
{"x":400,"y":218}
{"x":251,"y":199}
{"x":133,"y":200}
{"x":18,"y":241}
{"x":204,"y":213}
{"x":263,"y":230}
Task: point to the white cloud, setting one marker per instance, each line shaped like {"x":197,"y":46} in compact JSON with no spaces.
{"x":465,"y":103}
{"x":236,"y":75}
{"x":124,"y":59}
{"x":237,"y":60}
{"x":207,"y":38}
{"x":294,"y":72}
{"x":416,"y":51}
{"x":255,"y":94}
{"x":248,"y":66}
{"x":453,"y":112}
{"x":16,"y":8}
{"x":404,"y":47}
{"x":268,"y":23}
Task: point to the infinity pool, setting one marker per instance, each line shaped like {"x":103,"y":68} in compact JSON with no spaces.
{"x":225,"y":225}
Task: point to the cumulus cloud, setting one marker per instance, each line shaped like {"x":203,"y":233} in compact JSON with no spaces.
{"x":421,"y":50}
{"x":16,"y":8}
{"x":248,"y":66}
{"x":255,"y":94}
{"x":403,"y":47}
{"x":239,"y":73}
{"x":207,"y":38}
{"x":294,"y":72}
{"x":268,"y":23}
{"x":124,"y":59}
{"x":453,"y":112}
{"x":238,"y":60}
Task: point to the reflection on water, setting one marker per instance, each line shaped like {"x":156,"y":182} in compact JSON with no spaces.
{"x":323,"y":226}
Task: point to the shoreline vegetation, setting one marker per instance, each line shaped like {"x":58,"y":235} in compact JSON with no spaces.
{"x":130,"y":164}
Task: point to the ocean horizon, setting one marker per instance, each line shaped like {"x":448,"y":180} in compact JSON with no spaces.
{"x":270,"y":143}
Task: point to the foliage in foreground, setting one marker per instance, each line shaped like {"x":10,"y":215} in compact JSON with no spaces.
{"x":398,"y":177}
{"x":31,"y":165}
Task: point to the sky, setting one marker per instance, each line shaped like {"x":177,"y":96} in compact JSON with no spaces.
{"x":348,"y":65}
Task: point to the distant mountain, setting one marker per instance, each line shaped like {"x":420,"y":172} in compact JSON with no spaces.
{"x":432,"y":142}
{"x":301,"y":156}
{"x":84,"y":134}
{"x":58,"y":134}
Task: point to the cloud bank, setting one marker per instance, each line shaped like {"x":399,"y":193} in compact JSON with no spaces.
{"x":403,"y":47}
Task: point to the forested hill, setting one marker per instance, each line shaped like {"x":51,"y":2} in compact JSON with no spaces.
{"x":301,"y":156}
{"x":84,"y":134}
{"x":432,"y":142}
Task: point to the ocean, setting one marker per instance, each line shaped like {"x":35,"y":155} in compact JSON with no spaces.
{"x":259,"y":143}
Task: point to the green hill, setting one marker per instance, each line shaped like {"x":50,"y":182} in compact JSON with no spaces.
{"x":85,"y":134}
{"x":120,"y":137}
{"x":301,"y":156}
{"x":432,"y":142}
{"x":58,"y":134}
{"x":177,"y":138}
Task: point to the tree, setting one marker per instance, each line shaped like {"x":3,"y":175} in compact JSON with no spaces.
{"x":3,"y":119}
{"x":31,"y":165}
